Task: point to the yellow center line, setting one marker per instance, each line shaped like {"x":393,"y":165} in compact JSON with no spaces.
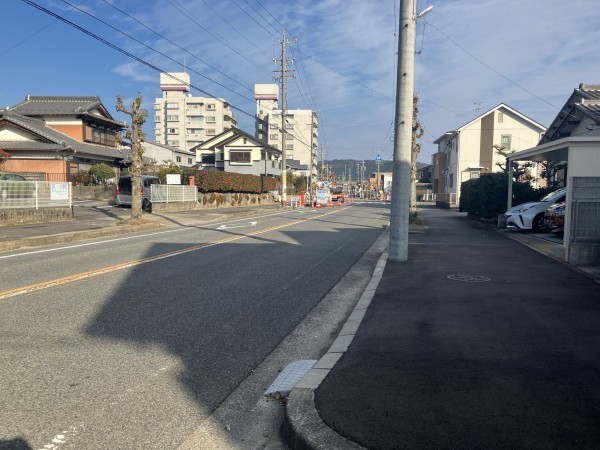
{"x":137,"y":262}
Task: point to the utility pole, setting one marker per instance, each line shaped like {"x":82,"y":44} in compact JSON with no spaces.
{"x":284,"y":75}
{"x":399,"y":221}
{"x":378,"y":162}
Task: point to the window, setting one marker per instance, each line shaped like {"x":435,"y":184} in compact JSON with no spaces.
{"x":178,"y":159}
{"x":289,"y":126}
{"x":288,"y":136}
{"x":273,"y":126}
{"x":211,"y":132}
{"x":173,"y":118}
{"x":451,"y":180}
{"x":211,"y":107}
{"x":156,"y":119}
{"x":195,"y":131}
{"x":207,"y":159}
{"x":505,"y":141}
{"x":239,"y":157}
{"x":274,"y":136}
{"x":157,"y":131}
{"x":211,"y":119}
{"x":473,"y":174}
{"x":194,"y":105}
{"x":190,"y":161}
{"x":173,"y":143}
{"x":172,"y":130}
{"x":289,"y":146}
{"x":99,"y":136}
{"x":172,"y":105}
{"x":500,"y":117}
{"x":157,"y":106}
{"x":195,"y":119}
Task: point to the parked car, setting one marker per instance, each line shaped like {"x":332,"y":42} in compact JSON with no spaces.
{"x":530,"y":215}
{"x":554,"y":218}
{"x":124,"y":190}
{"x":13,"y":192}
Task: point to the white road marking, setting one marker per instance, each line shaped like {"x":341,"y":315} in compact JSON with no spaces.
{"x":229,"y":227}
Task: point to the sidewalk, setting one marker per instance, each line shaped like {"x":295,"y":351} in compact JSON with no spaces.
{"x":477,"y":341}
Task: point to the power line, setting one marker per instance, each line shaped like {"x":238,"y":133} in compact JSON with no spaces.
{"x":126,"y":53}
{"x":176,"y":45}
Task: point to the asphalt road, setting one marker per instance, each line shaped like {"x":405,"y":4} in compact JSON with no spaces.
{"x":135,"y":342}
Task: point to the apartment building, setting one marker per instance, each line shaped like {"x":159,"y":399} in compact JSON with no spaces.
{"x":184,"y":121}
{"x":300,"y":139}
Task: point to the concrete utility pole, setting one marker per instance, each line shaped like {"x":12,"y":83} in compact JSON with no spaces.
{"x":284,"y":75}
{"x":399,"y":222}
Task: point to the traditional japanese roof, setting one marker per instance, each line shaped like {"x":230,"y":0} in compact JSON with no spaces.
{"x":84,"y":108}
{"x":223,"y":139}
{"x":582,"y":106}
{"x":48,"y":138}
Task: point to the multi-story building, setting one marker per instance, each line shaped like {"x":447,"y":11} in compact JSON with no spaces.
{"x":183,"y":121}
{"x":300,"y":139}
{"x":470,"y":150}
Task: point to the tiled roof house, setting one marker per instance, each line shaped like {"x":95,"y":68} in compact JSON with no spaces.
{"x":58,"y":136}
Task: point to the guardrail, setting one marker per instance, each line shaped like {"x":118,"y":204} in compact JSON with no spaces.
{"x":35,"y":194}
{"x":173,"y":193}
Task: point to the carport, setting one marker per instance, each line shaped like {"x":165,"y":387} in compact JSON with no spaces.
{"x":582,"y":214}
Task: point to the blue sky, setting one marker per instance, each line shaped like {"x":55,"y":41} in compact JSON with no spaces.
{"x":472,"y":56}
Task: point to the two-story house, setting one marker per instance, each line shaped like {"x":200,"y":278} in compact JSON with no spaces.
{"x":58,"y":136}
{"x":237,"y":151}
{"x":471,"y":149}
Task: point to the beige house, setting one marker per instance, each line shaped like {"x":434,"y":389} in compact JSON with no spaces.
{"x":469,"y":151}
{"x":237,"y":151}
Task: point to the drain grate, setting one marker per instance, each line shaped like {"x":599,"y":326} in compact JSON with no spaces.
{"x":468,"y":278}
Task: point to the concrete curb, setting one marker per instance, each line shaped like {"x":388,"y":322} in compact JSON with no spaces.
{"x":302,"y":426}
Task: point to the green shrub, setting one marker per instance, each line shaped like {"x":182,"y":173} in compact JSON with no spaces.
{"x":101,"y":172}
{"x":217,"y":181}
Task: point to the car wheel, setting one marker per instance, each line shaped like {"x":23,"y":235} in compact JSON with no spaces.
{"x":145,"y":204}
{"x":538,"y":223}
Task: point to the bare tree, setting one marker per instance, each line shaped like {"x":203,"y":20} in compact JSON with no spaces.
{"x":135,"y":136}
{"x":521,"y":171}
{"x":417,"y":132}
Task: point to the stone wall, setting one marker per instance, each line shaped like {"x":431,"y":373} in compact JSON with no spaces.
{"x":103,"y":192}
{"x":216,"y":200}
{"x":11,"y":217}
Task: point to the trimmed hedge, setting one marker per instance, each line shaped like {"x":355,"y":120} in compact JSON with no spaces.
{"x":217,"y":181}
{"x":485,"y":197}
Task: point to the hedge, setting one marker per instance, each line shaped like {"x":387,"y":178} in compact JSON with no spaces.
{"x":485,"y":197}
{"x":217,"y":181}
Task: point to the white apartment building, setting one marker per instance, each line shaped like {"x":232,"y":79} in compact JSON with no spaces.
{"x":183,"y":121}
{"x":300,"y":140}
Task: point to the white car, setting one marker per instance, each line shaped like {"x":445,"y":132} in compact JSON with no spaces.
{"x":530,"y":215}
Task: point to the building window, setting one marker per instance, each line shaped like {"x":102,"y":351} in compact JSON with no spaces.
{"x":173,"y":143}
{"x":451,"y":180}
{"x":173,"y":118}
{"x":289,"y":137}
{"x":157,"y":106}
{"x":172,"y":105}
{"x":211,"y":107}
{"x":173,"y":130}
{"x":195,"y":131}
{"x":289,"y":146}
{"x":505,"y":141}
{"x":157,"y":131}
{"x":178,"y":159}
{"x":207,"y":159}
{"x":500,"y":117}
{"x":289,"y":126}
{"x":210,"y":132}
{"x":190,"y":161}
{"x":274,"y":136}
{"x":239,"y":157}
{"x":273,"y":126}
{"x":99,"y":136}
{"x":211,"y":119}
{"x":156,"y":119}
{"x":194,"y":105}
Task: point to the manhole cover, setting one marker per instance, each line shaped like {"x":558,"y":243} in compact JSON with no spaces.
{"x":468,"y":278}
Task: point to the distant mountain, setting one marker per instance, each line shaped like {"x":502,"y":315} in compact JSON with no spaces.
{"x":348,"y":168}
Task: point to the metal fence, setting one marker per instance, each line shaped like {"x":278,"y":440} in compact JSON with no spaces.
{"x":34,"y":194}
{"x":173,"y":193}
